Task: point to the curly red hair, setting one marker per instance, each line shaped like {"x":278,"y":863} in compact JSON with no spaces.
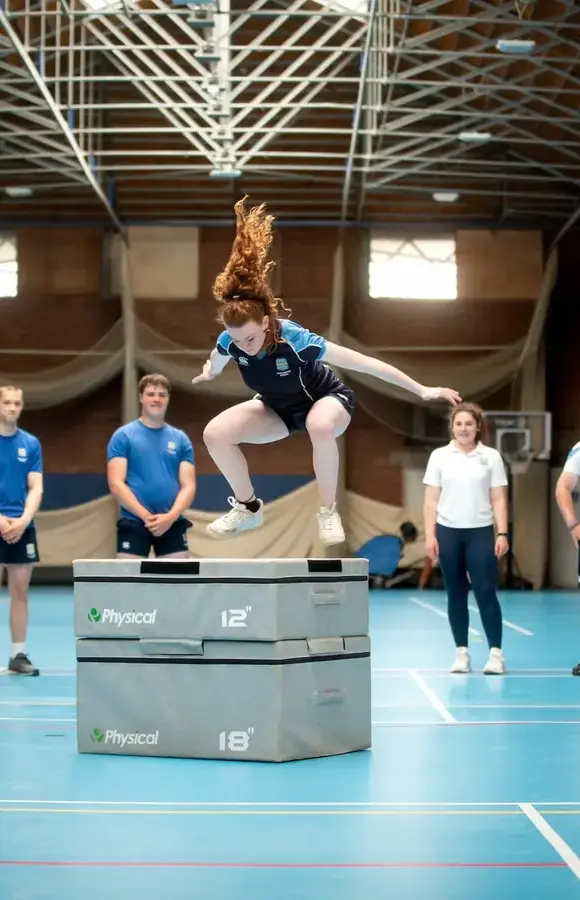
{"x":243,"y":290}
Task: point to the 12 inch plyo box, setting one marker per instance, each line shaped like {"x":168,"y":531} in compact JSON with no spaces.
{"x":261,"y":599}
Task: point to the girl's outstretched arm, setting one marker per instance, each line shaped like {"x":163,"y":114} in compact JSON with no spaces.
{"x":213,"y":367}
{"x":345,"y":358}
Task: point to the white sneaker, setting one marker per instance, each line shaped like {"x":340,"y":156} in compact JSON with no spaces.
{"x":238,"y":519}
{"x":330,"y":528}
{"x":495,"y":665}
{"x":462,"y":663}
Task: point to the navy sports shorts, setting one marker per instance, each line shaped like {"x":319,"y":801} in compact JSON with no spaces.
{"x":294,"y":417}
{"x":135,"y":538}
{"x":24,"y":552}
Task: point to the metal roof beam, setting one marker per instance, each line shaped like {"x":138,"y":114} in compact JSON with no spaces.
{"x":302,"y":83}
{"x":526,"y":25}
{"x":507,"y":107}
{"x":271,"y":29}
{"x":187,"y":125}
{"x":424,"y":136}
{"x":528,"y":116}
{"x":61,"y":122}
{"x":291,"y":115}
{"x":527,"y":91}
{"x":324,"y":73}
{"x":23,"y":148}
{"x":364,"y":69}
{"x":472,"y":191}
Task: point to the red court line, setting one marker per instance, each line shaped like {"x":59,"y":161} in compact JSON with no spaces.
{"x":289,"y":865}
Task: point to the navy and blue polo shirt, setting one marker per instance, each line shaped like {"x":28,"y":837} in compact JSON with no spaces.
{"x":289,"y":373}
{"x":20,"y":454}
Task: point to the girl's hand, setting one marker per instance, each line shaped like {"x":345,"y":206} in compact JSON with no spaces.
{"x":206,"y":374}
{"x":440,"y":393}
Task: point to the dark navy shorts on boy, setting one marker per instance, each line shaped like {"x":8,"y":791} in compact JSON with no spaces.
{"x":23,"y":552}
{"x":134,"y":537}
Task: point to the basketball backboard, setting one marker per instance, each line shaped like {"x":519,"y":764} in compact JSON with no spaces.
{"x":520,"y":437}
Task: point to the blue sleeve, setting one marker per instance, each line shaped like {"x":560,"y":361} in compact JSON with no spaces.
{"x":35,"y":459}
{"x":187,"y":452}
{"x":223,"y":344}
{"x":118,"y":445}
{"x":308,"y":346}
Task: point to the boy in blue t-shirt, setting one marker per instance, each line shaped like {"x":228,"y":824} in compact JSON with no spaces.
{"x":151,"y":472}
{"x":21,"y":486}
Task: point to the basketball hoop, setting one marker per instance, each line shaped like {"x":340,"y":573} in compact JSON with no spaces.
{"x":520,"y":436}
{"x":520,"y":463}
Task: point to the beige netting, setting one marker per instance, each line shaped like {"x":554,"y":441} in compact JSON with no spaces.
{"x":82,"y":375}
{"x":290,"y":530}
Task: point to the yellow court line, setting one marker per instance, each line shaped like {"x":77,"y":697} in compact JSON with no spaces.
{"x":264,"y":812}
{"x":557,"y":812}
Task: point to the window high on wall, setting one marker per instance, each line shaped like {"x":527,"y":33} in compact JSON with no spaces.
{"x":412,"y":268}
{"x":8,"y":266}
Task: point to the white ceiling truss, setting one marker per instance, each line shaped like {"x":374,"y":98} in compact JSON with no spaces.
{"x":146,"y":109}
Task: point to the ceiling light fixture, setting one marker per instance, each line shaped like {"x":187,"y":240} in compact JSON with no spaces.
{"x":520,"y":47}
{"x":445,"y":196}
{"x":16,"y":191}
{"x":474,"y":137}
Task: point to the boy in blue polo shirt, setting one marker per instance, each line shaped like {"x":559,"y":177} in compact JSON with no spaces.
{"x":21,"y":486}
{"x":151,"y":472}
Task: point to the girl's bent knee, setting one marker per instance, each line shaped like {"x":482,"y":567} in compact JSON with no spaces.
{"x":215,"y":433}
{"x":320,"y":431}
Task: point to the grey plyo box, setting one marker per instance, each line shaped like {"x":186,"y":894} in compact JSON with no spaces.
{"x":271,"y":702}
{"x":232,"y":599}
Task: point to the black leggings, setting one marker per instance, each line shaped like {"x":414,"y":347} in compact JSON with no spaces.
{"x":470,"y":550}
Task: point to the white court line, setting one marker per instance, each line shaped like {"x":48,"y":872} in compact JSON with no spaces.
{"x":33,"y":719}
{"x":506,"y":622}
{"x":481,"y":706}
{"x":73,"y":703}
{"x":431,"y":696}
{"x":563,"y":850}
{"x":481,"y":723}
{"x":531,"y":672}
{"x":538,"y":672}
{"x":268,"y":804}
{"x":439,"y":612}
{"x":455,"y":677}
{"x":385,"y":672}
{"x":388,"y":723}
{"x":282,"y":804}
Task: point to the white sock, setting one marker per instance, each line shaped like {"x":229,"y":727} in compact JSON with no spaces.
{"x":17,"y":648}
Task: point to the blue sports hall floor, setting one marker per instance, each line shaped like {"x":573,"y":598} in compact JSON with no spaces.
{"x":471,"y":789}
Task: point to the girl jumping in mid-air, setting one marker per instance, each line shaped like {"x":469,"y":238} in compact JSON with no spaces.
{"x":285,"y":364}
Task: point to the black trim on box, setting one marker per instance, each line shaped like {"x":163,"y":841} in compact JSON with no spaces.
{"x":324,"y":565}
{"x":201,"y":661}
{"x":217,"y":579}
{"x":170,"y":567}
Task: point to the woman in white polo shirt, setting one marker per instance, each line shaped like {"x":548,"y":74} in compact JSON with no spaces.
{"x":466,"y":488}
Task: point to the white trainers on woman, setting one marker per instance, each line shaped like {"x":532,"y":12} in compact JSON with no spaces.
{"x":495,"y":664}
{"x":462,"y":663}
